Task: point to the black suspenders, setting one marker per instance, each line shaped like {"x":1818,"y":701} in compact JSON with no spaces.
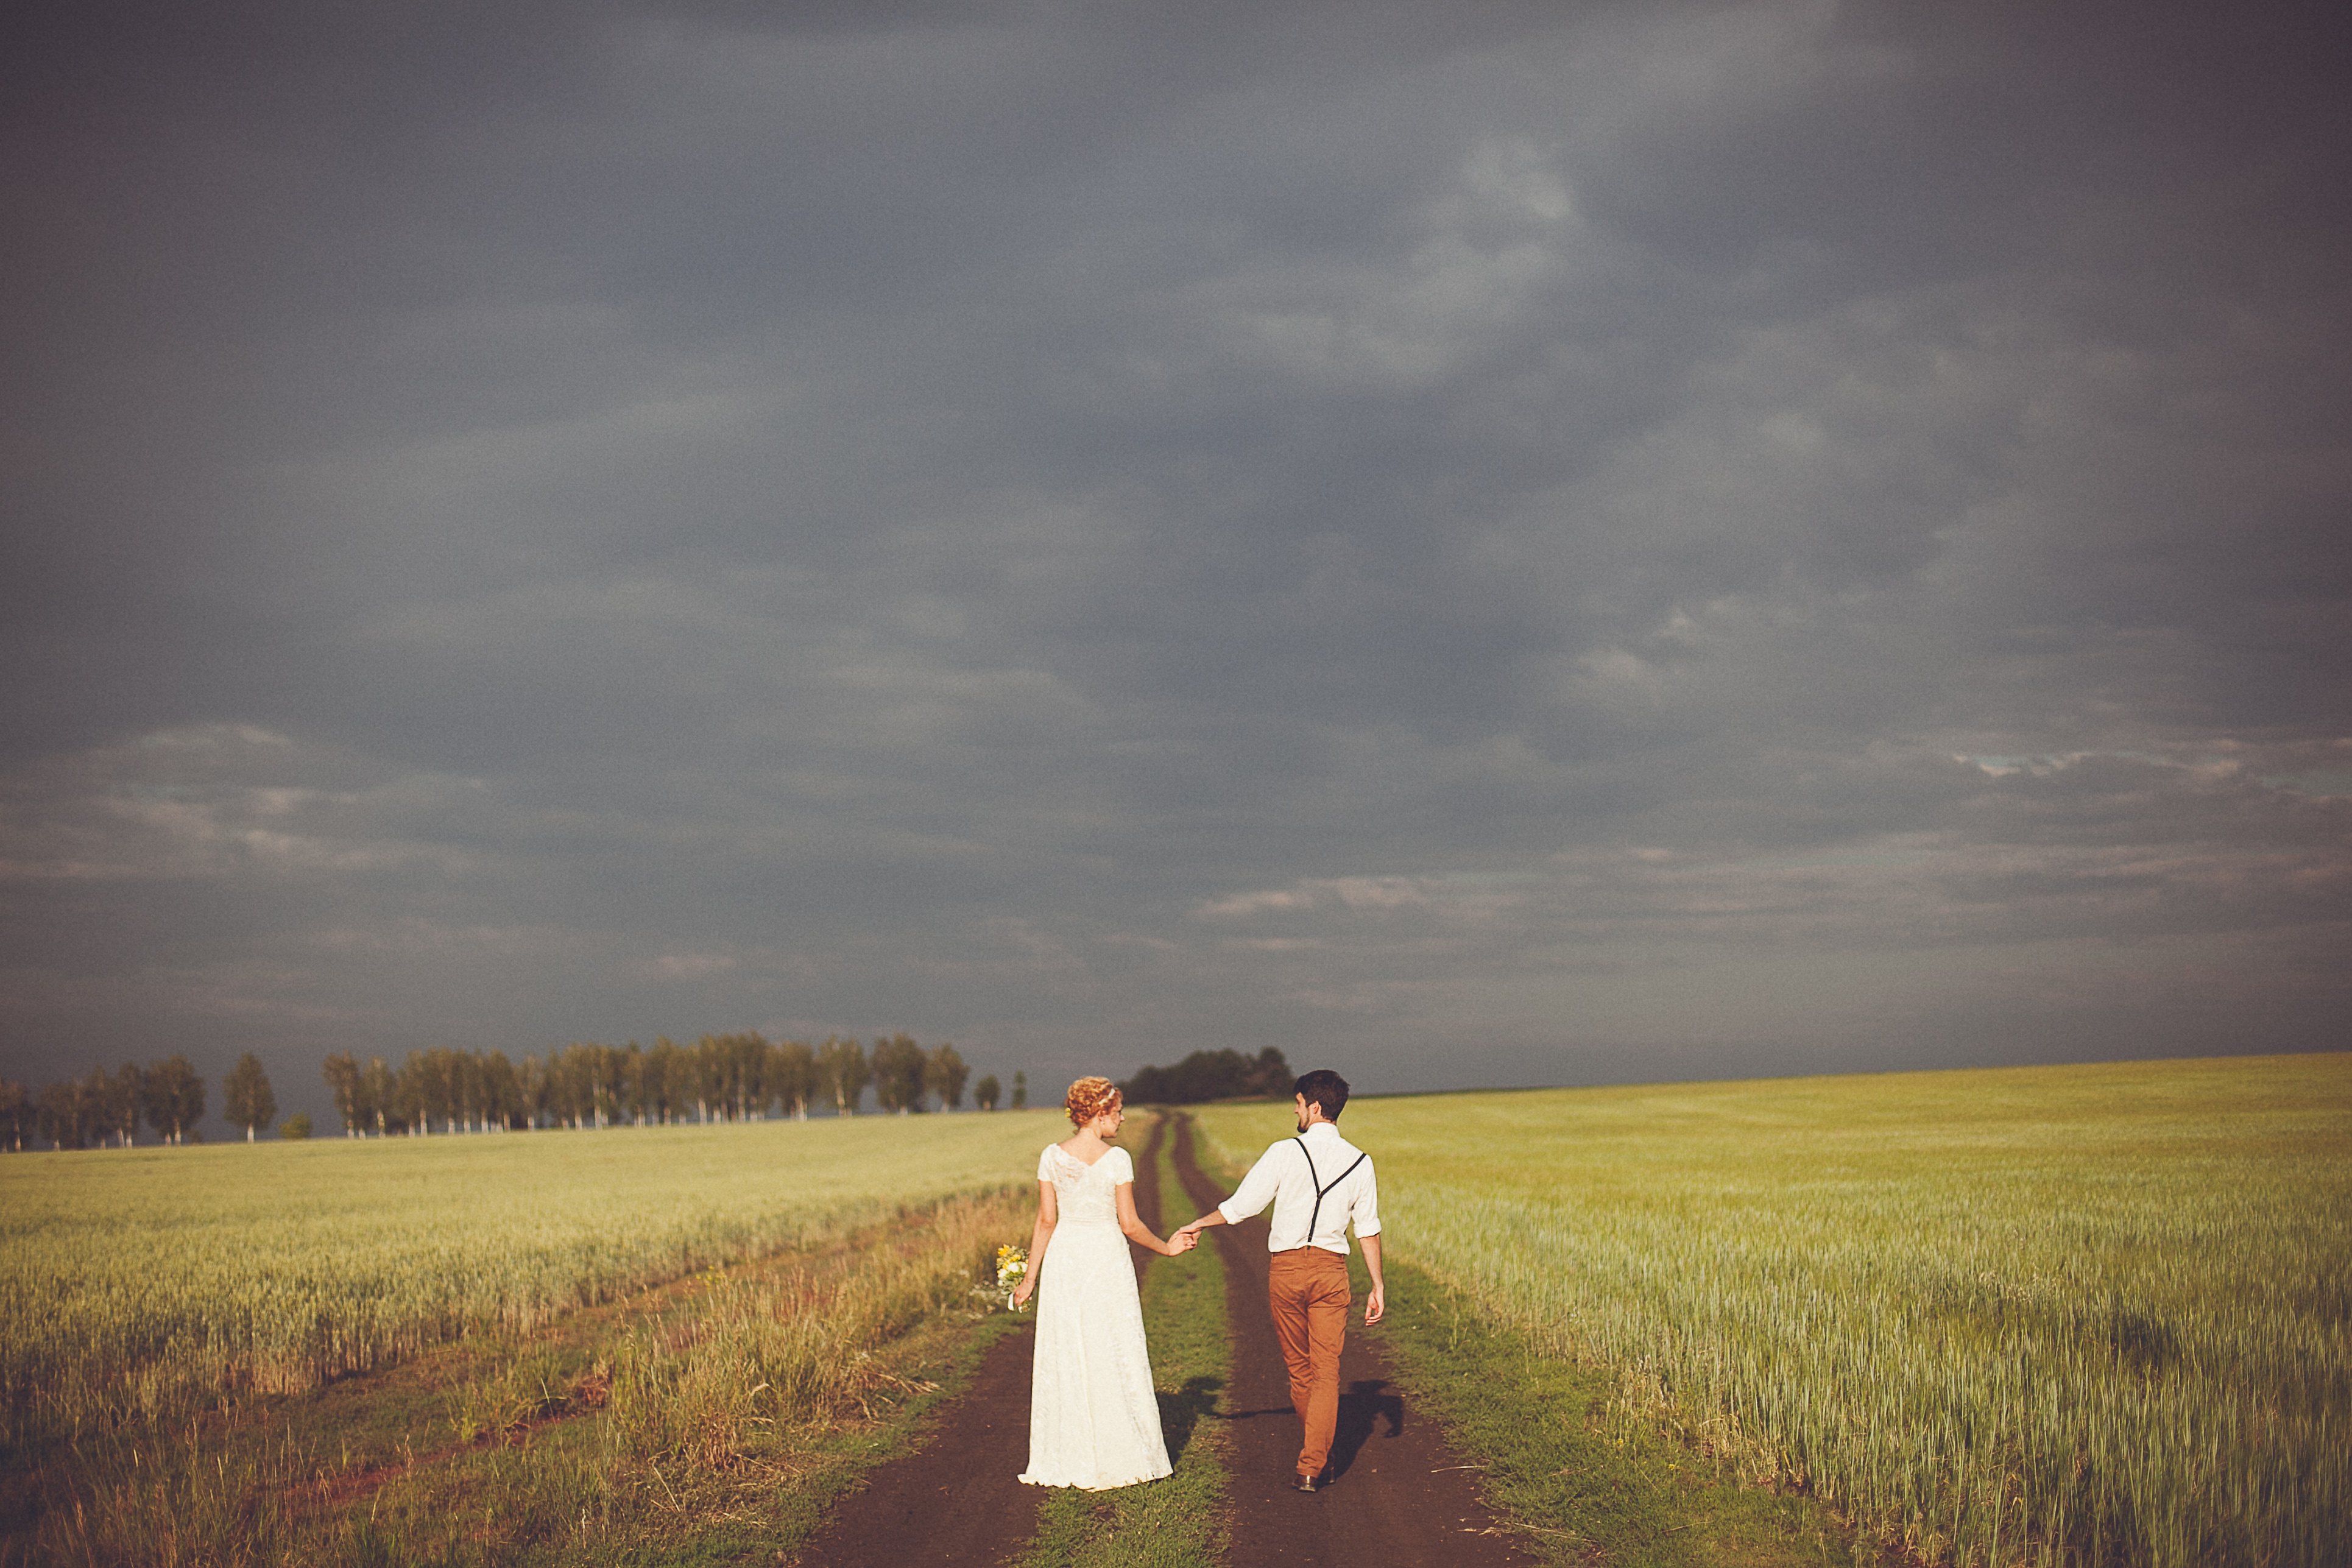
{"x":1315,"y":1180}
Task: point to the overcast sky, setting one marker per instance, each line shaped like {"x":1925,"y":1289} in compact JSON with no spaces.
{"x":1476,"y":543}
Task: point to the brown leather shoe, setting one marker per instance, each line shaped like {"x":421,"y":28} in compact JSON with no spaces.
{"x":1307,"y":1483}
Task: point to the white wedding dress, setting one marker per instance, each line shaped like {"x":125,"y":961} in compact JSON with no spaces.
{"x":1094,"y":1421}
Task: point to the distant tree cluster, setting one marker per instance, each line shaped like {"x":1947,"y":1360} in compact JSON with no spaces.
{"x":1212,"y":1075}
{"x":720,"y":1077}
{"x":987,"y":1093}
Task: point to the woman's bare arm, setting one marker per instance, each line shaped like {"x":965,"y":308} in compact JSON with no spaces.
{"x":1047,"y":1213}
{"x":1140,"y":1234}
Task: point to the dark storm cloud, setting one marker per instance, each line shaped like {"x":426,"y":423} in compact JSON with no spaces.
{"x":1654,"y":540}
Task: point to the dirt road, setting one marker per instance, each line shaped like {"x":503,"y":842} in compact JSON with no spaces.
{"x":1400,"y":1498}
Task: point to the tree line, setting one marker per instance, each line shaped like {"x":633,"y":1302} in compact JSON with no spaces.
{"x":1205,"y":1076}
{"x":720,"y":1078}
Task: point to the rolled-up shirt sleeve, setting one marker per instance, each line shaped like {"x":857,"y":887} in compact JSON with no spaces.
{"x":1367,"y":1208}
{"x":1257,"y":1191}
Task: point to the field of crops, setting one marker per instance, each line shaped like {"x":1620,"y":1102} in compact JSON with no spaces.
{"x":2082,"y":1315}
{"x":135,"y":1282}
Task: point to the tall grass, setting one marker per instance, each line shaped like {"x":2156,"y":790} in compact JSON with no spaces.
{"x":136,"y":1284}
{"x":2063,"y":1316}
{"x":710,"y":1418}
{"x":705,"y":1409}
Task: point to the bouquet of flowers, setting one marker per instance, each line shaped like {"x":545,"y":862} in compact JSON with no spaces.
{"x":1012,"y":1267}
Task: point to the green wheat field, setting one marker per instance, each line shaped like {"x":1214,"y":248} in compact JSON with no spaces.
{"x":136,"y":1283}
{"x":2048,"y":1315}
{"x":2091,"y":1315}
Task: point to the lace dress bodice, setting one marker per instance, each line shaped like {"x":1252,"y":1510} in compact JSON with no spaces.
{"x":1083,"y":1193}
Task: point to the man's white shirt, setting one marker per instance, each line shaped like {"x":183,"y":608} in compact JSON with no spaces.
{"x":1282,"y":1178}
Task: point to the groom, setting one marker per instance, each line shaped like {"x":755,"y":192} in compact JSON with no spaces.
{"x":1317,"y":1183}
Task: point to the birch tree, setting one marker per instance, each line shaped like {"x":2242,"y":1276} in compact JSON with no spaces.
{"x":791,"y":1069}
{"x":173,"y":1097}
{"x":898,"y":1074}
{"x":15,"y":1114}
{"x":944,"y":1074}
{"x":65,"y":1113}
{"x":530,"y":1088}
{"x":842,"y":1069}
{"x":665,"y":1080}
{"x":407,"y":1100}
{"x":638,"y":1089}
{"x":748,"y":1063}
{"x":501,"y":1092}
{"x":342,"y":1076}
{"x":379,"y":1095}
{"x":246,"y":1100}
{"x":124,"y":1103}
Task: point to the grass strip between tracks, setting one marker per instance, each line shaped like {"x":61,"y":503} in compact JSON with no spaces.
{"x":1178,"y":1522}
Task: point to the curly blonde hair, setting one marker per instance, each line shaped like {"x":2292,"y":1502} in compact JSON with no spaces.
{"x":1089,"y":1097}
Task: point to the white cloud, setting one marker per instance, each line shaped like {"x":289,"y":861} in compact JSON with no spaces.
{"x":1453,"y":897}
{"x":693,"y":965}
{"x":195,"y":802}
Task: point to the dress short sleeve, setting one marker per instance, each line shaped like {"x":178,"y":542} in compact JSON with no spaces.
{"x":1045,"y":1163}
{"x":1122,"y":1169}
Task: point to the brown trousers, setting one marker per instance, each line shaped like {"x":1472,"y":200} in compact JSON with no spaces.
{"x":1307,"y":1289}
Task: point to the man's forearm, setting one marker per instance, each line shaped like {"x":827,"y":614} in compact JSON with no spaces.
{"x":1214,"y":1217}
{"x":1376,"y":1305}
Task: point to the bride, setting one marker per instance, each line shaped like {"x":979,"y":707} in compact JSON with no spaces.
{"x":1094,"y":1421}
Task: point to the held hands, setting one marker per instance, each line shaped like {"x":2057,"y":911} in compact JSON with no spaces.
{"x":1182,"y":1241}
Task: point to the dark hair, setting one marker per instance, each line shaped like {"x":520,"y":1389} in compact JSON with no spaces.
{"x":1327,"y":1088}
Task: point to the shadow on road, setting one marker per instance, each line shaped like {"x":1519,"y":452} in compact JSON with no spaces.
{"x":1181,"y":1411}
{"x":1363,"y":1406}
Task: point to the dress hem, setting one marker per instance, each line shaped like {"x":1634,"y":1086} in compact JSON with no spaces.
{"x":1026,"y":1480}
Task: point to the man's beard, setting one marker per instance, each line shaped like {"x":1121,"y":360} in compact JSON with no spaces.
{"x":1302,"y":1124}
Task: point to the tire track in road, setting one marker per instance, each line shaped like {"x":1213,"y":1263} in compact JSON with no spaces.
{"x":954,"y":1500}
{"x":1401,"y":1496}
